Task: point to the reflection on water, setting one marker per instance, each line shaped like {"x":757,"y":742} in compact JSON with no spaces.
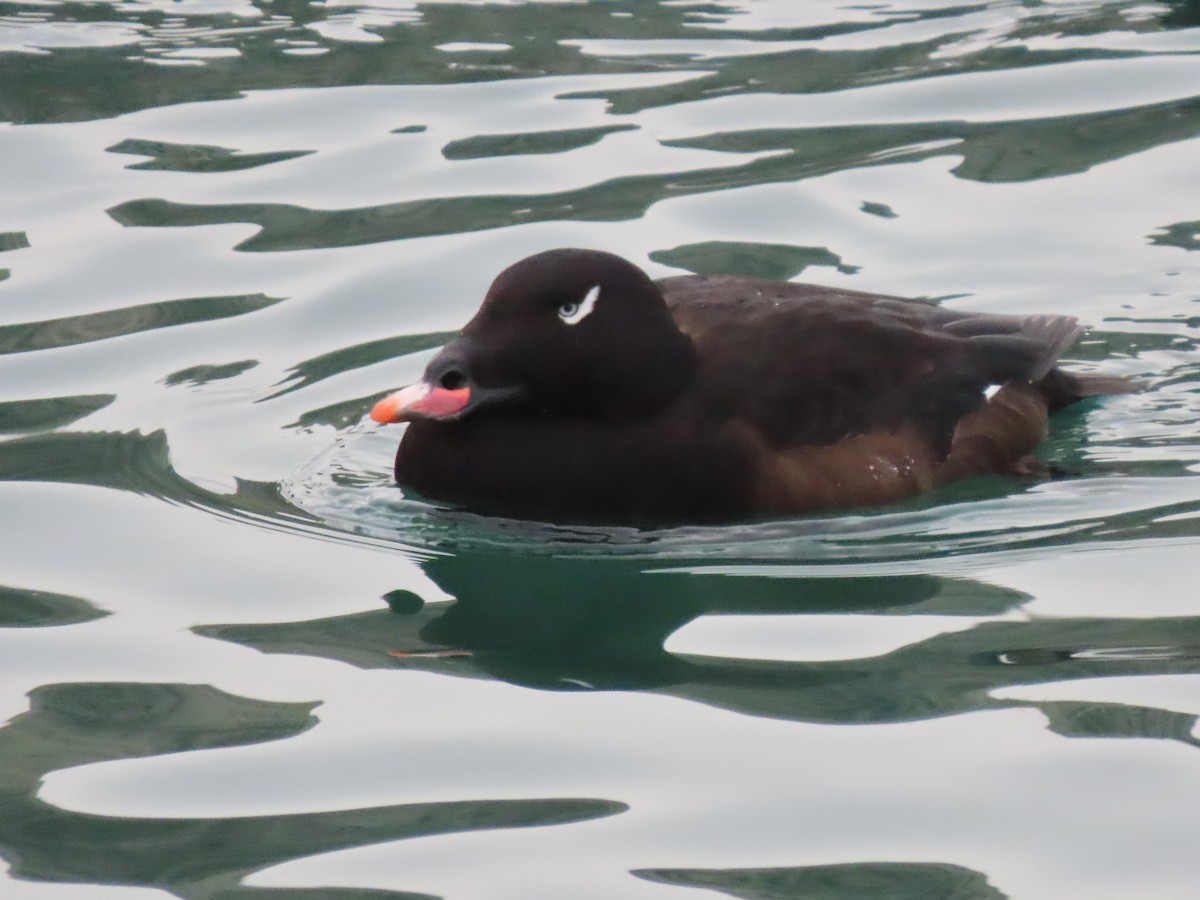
{"x":23,"y":608}
{"x":74,"y":724}
{"x":582,"y":624}
{"x":237,"y":660}
{"x":902,"y":881}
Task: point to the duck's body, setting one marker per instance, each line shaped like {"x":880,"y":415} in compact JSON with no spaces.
{"x":583,"y":391}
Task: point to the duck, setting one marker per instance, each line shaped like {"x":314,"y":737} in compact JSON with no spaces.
{"x":583,"y":391}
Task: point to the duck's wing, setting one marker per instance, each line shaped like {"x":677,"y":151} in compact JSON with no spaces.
{"x":809,"y":366}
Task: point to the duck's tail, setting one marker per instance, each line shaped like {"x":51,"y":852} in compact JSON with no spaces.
{"x":1062,"y":388}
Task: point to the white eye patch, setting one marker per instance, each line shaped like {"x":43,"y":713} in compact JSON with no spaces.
{"x":574,"y":313}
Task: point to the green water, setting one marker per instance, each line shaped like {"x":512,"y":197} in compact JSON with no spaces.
{"x":236,"y":662}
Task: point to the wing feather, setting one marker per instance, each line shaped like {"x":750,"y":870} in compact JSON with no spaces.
{"x":806,"y":364}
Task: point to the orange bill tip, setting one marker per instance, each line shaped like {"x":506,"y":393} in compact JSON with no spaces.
{"x":386,"y":410}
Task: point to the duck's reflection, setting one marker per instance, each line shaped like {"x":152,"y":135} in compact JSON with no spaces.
{"x":602,"y":623}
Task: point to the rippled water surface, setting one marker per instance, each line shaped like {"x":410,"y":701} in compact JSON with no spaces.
{"x":236,"y":662}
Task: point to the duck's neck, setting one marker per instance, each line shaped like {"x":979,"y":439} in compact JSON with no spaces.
{"x":650,"y":377}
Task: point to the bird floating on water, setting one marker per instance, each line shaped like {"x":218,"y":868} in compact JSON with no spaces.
{"x":584,"y":391}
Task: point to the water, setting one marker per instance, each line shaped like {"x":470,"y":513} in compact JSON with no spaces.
{"x":236,"y":662}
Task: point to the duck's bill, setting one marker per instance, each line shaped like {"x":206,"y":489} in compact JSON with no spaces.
{"x":422,"y":401}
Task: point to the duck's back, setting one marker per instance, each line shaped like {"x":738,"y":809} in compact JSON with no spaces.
{"x":859,"y":398}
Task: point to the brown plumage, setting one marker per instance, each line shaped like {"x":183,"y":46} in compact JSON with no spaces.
{"x":583,"y":391}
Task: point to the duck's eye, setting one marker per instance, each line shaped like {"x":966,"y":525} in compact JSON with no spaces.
{"x":574,"y":311}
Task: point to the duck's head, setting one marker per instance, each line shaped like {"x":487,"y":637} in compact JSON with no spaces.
{"x":565,"y":332}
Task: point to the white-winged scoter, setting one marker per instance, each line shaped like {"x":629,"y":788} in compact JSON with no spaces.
{"x":583,"y":391}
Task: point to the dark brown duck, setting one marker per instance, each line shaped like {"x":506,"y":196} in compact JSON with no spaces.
{"x":584,"y":391}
